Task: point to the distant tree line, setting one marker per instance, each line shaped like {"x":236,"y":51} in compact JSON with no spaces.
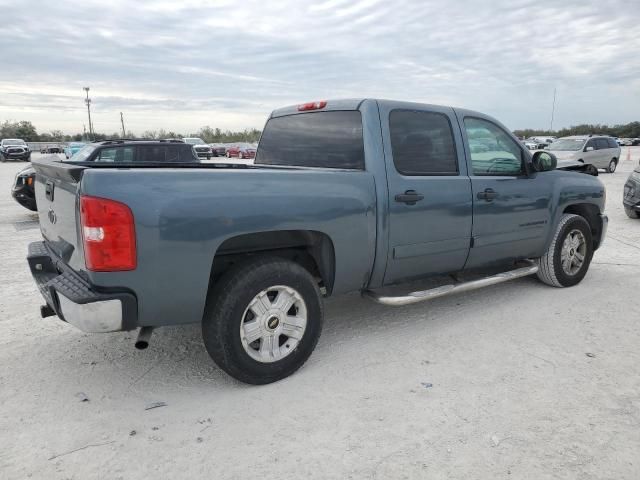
{"x":27,"y":132}
{"x":629,"y":130}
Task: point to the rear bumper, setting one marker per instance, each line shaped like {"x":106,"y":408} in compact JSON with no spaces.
{"x":75,"y":300}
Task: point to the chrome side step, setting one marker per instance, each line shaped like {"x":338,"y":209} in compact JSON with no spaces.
{"x":424,"y":295}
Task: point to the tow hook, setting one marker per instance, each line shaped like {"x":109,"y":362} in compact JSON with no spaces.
{"x":143,"y":337}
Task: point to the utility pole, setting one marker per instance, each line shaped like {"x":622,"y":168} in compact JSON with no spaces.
{"x":553,"y":110}
{"x":84,"y":129}
{"x":88,"y":102}
{"x":122,"y":122}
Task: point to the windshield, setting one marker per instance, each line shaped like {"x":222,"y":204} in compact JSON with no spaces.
{"x":194,"y":141}
{"x":567,"y":144}
{"x":83,"y":154}
{"x":13,"y":141}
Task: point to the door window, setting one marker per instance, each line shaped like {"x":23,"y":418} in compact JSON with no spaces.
{"x":493,"y":151}
{"x":422,"y":143}
{"x":115,"y":154}
{"x":591,"y":143}
{"x":602,"y":143}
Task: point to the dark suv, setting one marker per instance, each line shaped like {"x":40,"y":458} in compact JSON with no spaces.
{"x":113,"y":151}
{"x":136,"y":151}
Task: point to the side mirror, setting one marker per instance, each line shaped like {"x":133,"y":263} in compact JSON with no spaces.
{"x":589,"y":149}
{"x":544,"y":161}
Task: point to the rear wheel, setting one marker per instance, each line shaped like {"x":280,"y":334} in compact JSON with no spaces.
{"x":263,"y":319}
{"x":567,"y":260}
{"x":612,"y":165}
{"x":631,"y":213}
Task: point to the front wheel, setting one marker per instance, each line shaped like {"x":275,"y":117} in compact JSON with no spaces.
{"x":567,"y":260}
{"x":262,"y":320}
{"x":612,"y":165}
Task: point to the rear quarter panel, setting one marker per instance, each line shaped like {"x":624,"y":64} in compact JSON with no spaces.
{"x":183,"y":215}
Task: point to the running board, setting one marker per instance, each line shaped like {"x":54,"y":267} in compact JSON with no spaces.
{"x":424,"y":295}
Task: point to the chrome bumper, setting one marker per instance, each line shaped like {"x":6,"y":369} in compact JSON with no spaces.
{"x":75,"y":300}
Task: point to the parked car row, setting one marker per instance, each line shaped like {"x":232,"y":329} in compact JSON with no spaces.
{"x":628,"y":142}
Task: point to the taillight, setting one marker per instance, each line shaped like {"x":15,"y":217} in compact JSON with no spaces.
{"x":108,"y":234}
{"x":312,"y":106}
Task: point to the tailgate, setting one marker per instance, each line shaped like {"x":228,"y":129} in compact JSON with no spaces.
{"x":57,"y":186}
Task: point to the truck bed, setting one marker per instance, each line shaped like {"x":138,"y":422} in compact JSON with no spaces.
{"x":185,"y":212}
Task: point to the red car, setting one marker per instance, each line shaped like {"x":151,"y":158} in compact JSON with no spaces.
{"x":241,"y":151}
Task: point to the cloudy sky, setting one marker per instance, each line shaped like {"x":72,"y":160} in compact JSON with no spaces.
{"x":182,"y":64}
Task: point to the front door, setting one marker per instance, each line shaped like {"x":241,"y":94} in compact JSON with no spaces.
{"x":511,"y":208}
{"x":429,"y":191}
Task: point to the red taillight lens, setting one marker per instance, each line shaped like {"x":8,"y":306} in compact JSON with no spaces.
{"x":108,"y":233}
{"x":312,"y":106}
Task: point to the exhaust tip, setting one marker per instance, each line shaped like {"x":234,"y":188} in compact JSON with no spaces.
{"x":143,"y":338}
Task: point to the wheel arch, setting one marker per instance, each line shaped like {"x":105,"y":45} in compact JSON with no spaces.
{"x":591,"y":213}
{"x":312,"y":249}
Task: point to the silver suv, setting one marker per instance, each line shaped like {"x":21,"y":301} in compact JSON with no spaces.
{"x":597,"y":150}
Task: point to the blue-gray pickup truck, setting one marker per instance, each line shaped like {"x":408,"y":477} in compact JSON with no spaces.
{"x":345,"y":195}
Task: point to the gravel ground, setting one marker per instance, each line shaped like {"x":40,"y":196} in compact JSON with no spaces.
{"x":516,"y":381}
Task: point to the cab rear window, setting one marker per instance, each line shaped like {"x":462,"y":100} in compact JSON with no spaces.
{"x":318,"y":139}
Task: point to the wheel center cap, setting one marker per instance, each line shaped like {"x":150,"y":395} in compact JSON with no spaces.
{"x":272,"y":323}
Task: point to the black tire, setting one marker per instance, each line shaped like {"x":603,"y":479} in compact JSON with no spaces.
{"x":591,"y":170}
{"x":612,"y":165}
{"x":631,"y":213}
{"x":550,"y":264}
{"x":226,"y":305}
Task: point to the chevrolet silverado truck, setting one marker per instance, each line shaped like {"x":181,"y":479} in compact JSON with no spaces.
{"x":345,"y":195}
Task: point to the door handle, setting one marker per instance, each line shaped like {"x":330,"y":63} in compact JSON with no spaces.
{"x":48,"y":190}
{"x":410,"y":197}
{"x":488,"y":194}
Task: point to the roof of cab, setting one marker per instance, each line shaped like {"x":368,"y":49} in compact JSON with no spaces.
{"x":341,"y":104}
{"x":355,"y":103}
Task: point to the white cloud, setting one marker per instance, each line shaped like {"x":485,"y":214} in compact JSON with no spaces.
{"x":181,"y":65}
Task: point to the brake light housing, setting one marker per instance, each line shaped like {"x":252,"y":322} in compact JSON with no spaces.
{"x":303,"y":107}
{"x":108,"y":235}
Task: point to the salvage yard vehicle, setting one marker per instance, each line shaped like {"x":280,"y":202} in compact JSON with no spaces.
{"x":22,"y":190}
{"x":14,"y":149}
{"x":201,"y":148}
{"x":597,"y":150}
{"x":72,"y":148}
{"x":631,"y":195}
{"x":51,"y":149}
{"x":142,"y":151}
{"x":241,"y":150}
{"x":345,"y":195}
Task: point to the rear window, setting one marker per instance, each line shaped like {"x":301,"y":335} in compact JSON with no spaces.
{"x":612,"y":143}
{"x":318,"y":139}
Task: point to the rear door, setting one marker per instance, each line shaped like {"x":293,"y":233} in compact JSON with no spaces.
{"x":511,"y":208}
{"x":429,"y":191}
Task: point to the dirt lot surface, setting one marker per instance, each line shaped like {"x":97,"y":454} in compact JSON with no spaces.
{"x":519,"y":381}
